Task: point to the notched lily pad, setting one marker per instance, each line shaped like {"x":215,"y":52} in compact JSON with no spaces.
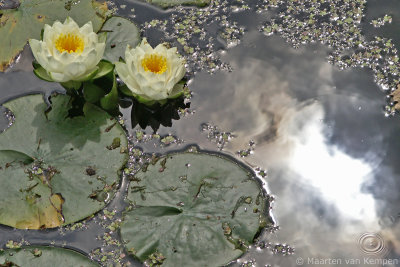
{"x":171,"y":3}
{"x":25,"y":22}
{"x":50,"y":164}
{"x":120,"y":33}
{"x":193,"y":208}
{"x":40,"y":256}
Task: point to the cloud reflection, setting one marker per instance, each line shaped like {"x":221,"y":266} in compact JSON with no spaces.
{"x":317,"y":130}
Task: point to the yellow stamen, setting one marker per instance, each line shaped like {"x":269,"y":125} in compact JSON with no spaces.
{"x":70,"y":42}
{"x":154,"y":63}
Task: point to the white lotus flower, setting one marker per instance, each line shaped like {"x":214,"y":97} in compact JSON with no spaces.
{"x":67,"y":52}
{"x":152,"y":74}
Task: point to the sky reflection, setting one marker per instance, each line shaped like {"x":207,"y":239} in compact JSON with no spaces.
{"x":321,"y":134}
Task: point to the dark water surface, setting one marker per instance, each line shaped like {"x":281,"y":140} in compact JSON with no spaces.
{"x":321,"y":134}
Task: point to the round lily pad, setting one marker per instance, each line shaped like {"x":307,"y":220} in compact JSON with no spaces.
{"x":120,"y":33}
{"x":25,"y":22}
{"x":40,"y":256}
{"x":195,"y":209}
{"x":54,"y":169}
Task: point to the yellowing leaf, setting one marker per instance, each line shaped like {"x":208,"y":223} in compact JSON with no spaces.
{"x":396,"y":97}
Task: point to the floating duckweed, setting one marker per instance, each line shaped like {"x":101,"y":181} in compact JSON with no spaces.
{"x":379,"y":22}
{"x":14,"y":244}
{"x":249,"y":263}
{"x":37,"y":252}
{"x":248,"y":151}
{"x":337,"y":24}
{"x":215,"y":135}
{"x":155,"y":259}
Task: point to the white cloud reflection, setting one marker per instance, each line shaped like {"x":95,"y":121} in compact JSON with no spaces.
{"x":338,"y":176}
{"x":308,"y":136}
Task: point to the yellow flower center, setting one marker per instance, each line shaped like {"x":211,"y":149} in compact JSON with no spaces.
{"x":154,"y":63}
{"x":70,"y":42}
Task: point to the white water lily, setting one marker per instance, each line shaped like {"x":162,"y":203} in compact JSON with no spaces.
{"x":152,"y":74}
{"x":67,"y":52}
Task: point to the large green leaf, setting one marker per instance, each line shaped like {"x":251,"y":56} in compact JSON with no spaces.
{"x":27,"y":21}
{"x":194,"y":209}
{"x":170,"y":3}
{"x":54,"y":169}
{"x":40,"y":256}
{"x":120,"y":33}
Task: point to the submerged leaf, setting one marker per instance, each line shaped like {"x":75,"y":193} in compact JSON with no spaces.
{"x":44,"y":158}
{"x":27,"y":21}
{"x":193,"y":208}
{"x":40,"y":256}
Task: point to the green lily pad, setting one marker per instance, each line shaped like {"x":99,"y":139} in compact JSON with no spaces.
{"x":57,"y":170}
{"x":171,"y":3}
{"x":40,"y":256}
{"x":120,"y":33}
{"x":192,"y":208}
{"x":25,"y":22}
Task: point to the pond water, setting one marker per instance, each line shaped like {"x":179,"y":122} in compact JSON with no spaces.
{"x":322,"y":134}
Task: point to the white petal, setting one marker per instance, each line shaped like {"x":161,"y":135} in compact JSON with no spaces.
{"x":47,"y":33}
{"x":36,"y":47}
{"x":86,"y":29}
{"x":69,"y":23}
{"x":161,"y":49}
{"x":90,"y":59}
{"x":74,"y":70}
{"x":146,"y":46}
{"x":100,"y":47}
{"x":176,"y":90}
{"x":59,"y":77}
{"x":154,"y":92}
{"x":54,"y":65}
{"x":57,"y":26}
{"x":125,"y":76}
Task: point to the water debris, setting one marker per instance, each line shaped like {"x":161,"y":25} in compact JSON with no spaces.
{"x":10,"y":118}
{"x":215,"y":135}
{"x":169,"y":139}
{"x":261,"y":173}
{"x":115,"y":143}
{"x":337,"y":23}
{"x":379,"y":22}
{"x":155,"y":259}
{"x":90,"y":171}
{"x":37,"y":252}
{"x":248,"y":151}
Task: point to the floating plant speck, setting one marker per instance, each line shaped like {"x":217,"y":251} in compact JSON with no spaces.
{"x":379,"y":22}
{"x":247,"y":151}
{"x":337,"y":24}
{"x":215,"y":135}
